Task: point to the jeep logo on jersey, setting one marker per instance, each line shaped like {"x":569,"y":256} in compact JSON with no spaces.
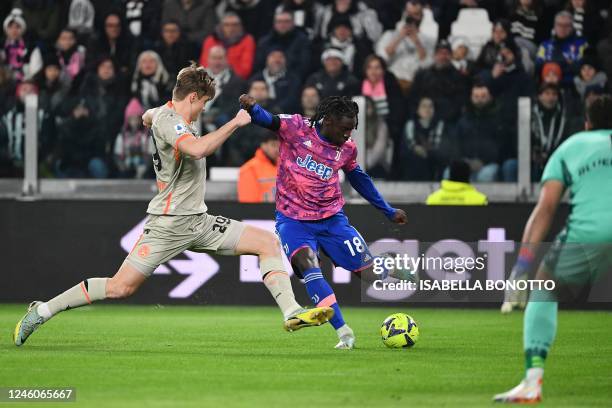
{"x":323,"y":171}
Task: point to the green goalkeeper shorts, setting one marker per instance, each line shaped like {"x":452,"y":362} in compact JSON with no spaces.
{"x":576,"y":266}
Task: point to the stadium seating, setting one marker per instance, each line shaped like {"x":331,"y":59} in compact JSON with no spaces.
{"x":428,"y":25}
{"x":475,"y":26}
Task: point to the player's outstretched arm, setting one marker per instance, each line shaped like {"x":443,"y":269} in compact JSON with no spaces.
{"x":541,"y":217}
{"x":364,"y":185}
{"x":205,"y":146}
{"x":535,"y":232}
{"x":539,"y":222}
{"x":259,"y":115}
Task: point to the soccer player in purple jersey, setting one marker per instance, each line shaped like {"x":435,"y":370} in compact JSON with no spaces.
{"x":309,"y":200}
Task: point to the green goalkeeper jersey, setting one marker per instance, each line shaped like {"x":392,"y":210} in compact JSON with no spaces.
{"x":583,"y":163}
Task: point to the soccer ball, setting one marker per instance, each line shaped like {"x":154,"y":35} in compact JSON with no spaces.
{"x":399,"y":330}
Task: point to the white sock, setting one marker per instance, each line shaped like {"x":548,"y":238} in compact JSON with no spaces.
{"x":84,"y":293}
{"x":279,"y":285}
{"x":344,"y":331}
{"x":534,"y":375}
{"x":43,"y":310}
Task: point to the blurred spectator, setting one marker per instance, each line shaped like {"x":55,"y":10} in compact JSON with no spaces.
{"x":381,"y":85}
{"x":174,"y":50}
{"x":53,"y":87}
{"x":353,"y":49}
{"x":442,"y":83}
{"x":22,"y":57}
{"x":589,"y":75}
{"x":104,"y":97}
{"x":44,"y":18}
{"x":564,"y":48}
{"x":257,"y":177}
{"x":143,"y":18}
{"x":240,"y":147}
{"x":481,"y":133}
{"x":591,"y":93}
{"x":552,"y":75}
{"x":549,"y":127}
{"x":334,"y":78}
{"x":283,"y":85}
{"x":132,"y":150}
{"x":71,"y":56}
{"x":293,"y":42}
{"x":587,"y":22}
{"x":12,"y":134}
{"x":310,"y":100}
{"x":528,"y":25}
{"x":489,"y":54}
{"x":461,"y":58}
{"x":259,"y":90}
{"x":508,"y":81}
{"x":303,"y":13}
{"x":379,"y":147}
{"x":7,"y":89}
{"x":115,"y":42}
{"x":425,"y":145}
{"x":197,"y":18}
{"x":457,"y":190}
{"x":81,"y":18}
{"x":240,"y":46}
{"x":406,"y":50}
{"x":604,"y":50}
{"x":364,"y":20}
{"x":82,"y":149}
{"x":150,"y":82}
{"x":228,"y":88}
{"x":256,"y":15}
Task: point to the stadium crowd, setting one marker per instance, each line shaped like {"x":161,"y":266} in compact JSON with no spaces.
{"x":437,"y":88}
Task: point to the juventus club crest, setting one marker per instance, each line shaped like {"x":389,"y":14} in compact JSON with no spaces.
{"x":338,"y":152}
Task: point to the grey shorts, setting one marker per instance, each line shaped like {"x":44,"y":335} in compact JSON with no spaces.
{"x":166,"y":236}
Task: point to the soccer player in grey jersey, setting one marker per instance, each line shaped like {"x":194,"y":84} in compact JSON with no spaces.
{"x":178,"y":220}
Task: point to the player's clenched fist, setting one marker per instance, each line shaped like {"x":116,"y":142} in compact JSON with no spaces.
{"x":246,"y":102}
{"x":400,"y":217}
{"x":242,"y":118}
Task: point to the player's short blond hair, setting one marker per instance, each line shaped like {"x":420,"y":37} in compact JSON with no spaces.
{"x":193,"y":78}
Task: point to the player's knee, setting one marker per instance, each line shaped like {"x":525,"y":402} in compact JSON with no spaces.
{"x":270,"y":245}
{"x":304,"y":259}
{"x":118,"y":290}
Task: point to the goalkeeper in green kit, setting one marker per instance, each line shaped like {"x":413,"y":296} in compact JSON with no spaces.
{"x":582,"y":251}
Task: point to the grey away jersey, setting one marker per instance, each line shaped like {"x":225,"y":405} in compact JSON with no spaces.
{"x":180,"y":178}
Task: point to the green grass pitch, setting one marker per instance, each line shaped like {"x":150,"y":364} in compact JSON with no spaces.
{"x":132,"y":356}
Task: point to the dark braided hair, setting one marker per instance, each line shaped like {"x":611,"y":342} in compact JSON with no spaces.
{"x":337,"y":106}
